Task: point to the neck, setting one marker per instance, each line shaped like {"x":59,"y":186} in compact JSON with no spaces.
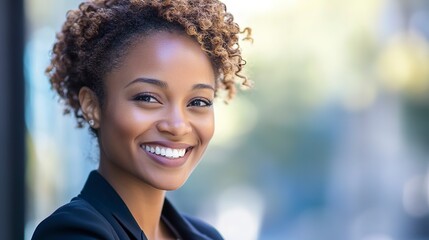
{"x":144,"y":202}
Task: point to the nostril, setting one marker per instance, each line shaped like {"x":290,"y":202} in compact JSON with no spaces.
{"x":175,"y":128}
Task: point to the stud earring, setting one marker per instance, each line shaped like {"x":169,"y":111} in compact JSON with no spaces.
{"x":91,"y":122}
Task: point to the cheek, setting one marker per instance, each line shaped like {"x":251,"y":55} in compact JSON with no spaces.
{"x":205,"y":127}
{"x":126,"y":121}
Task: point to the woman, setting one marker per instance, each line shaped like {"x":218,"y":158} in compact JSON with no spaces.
{"x":143,"y":75}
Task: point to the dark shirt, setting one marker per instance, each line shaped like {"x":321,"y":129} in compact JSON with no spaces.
{"x":98,"y":212}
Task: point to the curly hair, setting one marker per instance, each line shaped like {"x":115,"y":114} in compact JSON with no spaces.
{"x":97,"y":34}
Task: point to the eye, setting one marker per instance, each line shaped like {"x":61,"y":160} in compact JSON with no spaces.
{"x":145,"y":97}
{"x":200,"y":103}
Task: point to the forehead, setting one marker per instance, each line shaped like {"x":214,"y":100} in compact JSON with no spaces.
{"x":166,"y":56}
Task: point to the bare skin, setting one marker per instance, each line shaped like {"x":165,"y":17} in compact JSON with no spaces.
{"x":160,"y":97}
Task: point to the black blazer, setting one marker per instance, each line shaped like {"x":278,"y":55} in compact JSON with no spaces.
{"x":98,"y":212}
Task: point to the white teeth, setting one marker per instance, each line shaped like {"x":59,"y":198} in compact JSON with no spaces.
{"x":175,"y":153}
{"x":167,"y":152}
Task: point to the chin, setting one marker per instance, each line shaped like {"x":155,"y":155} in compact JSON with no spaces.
{"x":168,"y":183}
{"x":167,"y":186}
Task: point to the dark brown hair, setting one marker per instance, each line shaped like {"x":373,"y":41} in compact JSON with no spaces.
{"x":97,"y":34}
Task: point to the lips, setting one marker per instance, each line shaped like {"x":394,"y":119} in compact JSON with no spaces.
{"x":174,"y":156}
{"x":170,"y":155}
{"x":165,"y":151}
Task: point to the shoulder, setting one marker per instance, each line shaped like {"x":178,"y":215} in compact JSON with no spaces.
{"x":204,"y":227}
{"x":75,"y":220}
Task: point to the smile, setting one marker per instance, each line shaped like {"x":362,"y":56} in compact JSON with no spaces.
{"x":165,"y":151}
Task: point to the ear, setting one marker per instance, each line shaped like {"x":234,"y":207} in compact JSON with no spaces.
{"x":90,"y":106}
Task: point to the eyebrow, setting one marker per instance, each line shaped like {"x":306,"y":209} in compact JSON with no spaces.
{"x":202,"y":86}
{"x":152,"y":81}
{"x":164,"y":85}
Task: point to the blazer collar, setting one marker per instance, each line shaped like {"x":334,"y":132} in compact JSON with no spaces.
{"x":101,"y":195}
{"x":184,"y":227}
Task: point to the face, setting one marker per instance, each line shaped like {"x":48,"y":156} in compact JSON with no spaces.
{"x":157,"y":118}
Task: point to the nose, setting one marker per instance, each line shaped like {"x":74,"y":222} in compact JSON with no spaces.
{"x":175,"y":123}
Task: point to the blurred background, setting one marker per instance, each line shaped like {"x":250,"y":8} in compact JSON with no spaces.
{"x":332,"y":143}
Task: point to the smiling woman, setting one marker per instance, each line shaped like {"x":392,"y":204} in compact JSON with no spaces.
{"x":144,"y":76}
{"x":164,"y":109}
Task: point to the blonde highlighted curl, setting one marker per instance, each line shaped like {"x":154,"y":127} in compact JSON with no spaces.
{"x":94,"y":37}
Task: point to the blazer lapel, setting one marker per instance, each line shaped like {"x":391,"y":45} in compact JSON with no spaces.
{"x":101,"y":195}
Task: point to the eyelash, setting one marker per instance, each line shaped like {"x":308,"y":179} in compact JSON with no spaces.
{"x":146,"y":97}
{"x":207,"y":103}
